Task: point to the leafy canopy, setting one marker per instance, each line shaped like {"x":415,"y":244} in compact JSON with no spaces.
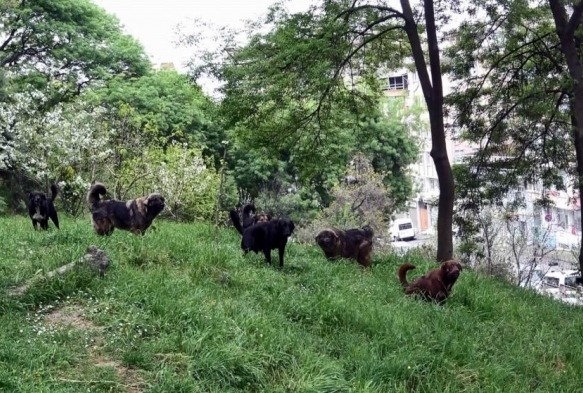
{"x":301,"y":97}
{"x":59,"y":46}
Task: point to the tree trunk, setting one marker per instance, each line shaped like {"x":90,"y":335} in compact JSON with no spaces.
{"x":433,"y":92}
{"x":565,"y":29}
{"x":446,"y":189}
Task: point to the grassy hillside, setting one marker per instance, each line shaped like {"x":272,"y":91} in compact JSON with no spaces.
{"x":174,"y":314}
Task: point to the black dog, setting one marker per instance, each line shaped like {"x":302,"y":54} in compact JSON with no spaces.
{"x":265,"y":236}
{"x":41,"y":208}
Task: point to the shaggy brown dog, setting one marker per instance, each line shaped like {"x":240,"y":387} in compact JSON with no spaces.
{"x":435,"y":285}
{"x":135,"y":215}
{"x":351,"y":244}
{"x":41,"y":208}
{"x":250,"y":218}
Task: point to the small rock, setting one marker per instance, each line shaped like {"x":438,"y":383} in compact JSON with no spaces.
{"x":97,"y":259}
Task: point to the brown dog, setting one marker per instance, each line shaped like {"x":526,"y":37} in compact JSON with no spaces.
{"x":351,"y":244}
{"x":435,"y":285}
{"x":135,"y":215}
{"x":249,"y":217}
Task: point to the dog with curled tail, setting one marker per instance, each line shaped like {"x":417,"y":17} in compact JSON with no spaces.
{"x":134,"y":215}
{"x":435,"y":285}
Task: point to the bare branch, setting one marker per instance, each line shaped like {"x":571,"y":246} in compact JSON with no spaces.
{"x":353,"y":10}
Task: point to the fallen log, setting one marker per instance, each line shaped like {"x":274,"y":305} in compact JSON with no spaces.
{"x":94,"y":258}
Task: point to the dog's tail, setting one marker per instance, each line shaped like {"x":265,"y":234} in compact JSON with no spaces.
{"x":236,"y":221}
{"x":403,"y":273}
{"x":54,"y":192}
{"x":247,"y":210}
{"x":94,"y":193}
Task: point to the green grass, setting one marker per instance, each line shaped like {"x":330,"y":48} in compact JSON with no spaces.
{"x":184,"y":316}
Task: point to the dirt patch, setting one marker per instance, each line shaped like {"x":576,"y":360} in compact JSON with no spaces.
{"x":74,"y":316}
{"x":71,"y":315}
{"x":130,"y":377}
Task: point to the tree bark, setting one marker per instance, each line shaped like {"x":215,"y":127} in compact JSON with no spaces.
{"x":565,"y":29}
{"x":433,"y":92}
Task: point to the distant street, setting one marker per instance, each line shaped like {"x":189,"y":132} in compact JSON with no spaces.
{"x":405,"y":245}
{"x":421,"y":238}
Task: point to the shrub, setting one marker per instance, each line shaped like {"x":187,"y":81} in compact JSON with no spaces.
{"x":361,"y":199}
{"x":180,"y":174}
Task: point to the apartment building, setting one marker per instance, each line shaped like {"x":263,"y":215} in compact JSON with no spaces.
{"x":558,"y":225}
{"x":423,"y":207}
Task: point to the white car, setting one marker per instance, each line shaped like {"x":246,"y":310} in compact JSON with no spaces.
{"x":556,"y":279}
{"x":531,"y":277}
{"x":401,"y":229}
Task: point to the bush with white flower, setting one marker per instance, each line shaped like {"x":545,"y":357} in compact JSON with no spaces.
{"x":63,"y":145}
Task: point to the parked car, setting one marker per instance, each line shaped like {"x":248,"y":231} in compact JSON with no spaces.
{"x":556,"y":279}
{"x":402,"y":229}
{"x":531,"y":277}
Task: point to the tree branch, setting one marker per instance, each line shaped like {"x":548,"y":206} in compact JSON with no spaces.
{"x":417,"y":52}
{"x":353,"y":10}
{"x":434,"y":63}
{"x":575,"y":19}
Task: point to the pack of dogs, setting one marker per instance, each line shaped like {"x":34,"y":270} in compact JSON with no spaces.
{"x":259,"y":231}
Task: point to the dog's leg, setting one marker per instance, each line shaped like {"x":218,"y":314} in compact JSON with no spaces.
{"x":267,"y":252}
{"x":34,"y":225}
{"x":54,"y":217}
{"x":281,"y":253}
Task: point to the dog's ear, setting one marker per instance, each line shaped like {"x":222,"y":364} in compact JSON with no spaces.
{"x":149,"y":199}
{"x":30,"y":196}
{"x":291,"y":226}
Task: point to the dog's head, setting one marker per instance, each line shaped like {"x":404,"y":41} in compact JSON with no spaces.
{"x":368,"y":232}
{"x":37,"y":198}
{"x":451,"y":270}
{"x":155,"y":203}
{"x":286,"y":227}
{"x":261,"y":217}
{"x":327,"y":239}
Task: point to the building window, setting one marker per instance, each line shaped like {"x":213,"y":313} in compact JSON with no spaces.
{"x":398,"y":82}
{"x":428,"y":165}
{"x":536,"y":186}
{"x":562,"y":220}
{"x":434,"y":184}
{"x":458,"y":156}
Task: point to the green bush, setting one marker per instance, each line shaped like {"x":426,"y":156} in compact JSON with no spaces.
{"x":180,"y":174}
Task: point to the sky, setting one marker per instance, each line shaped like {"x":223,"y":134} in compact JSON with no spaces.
{"x":154,"y":22}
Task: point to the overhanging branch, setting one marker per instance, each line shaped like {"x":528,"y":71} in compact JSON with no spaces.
{"x":353,"y":10}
